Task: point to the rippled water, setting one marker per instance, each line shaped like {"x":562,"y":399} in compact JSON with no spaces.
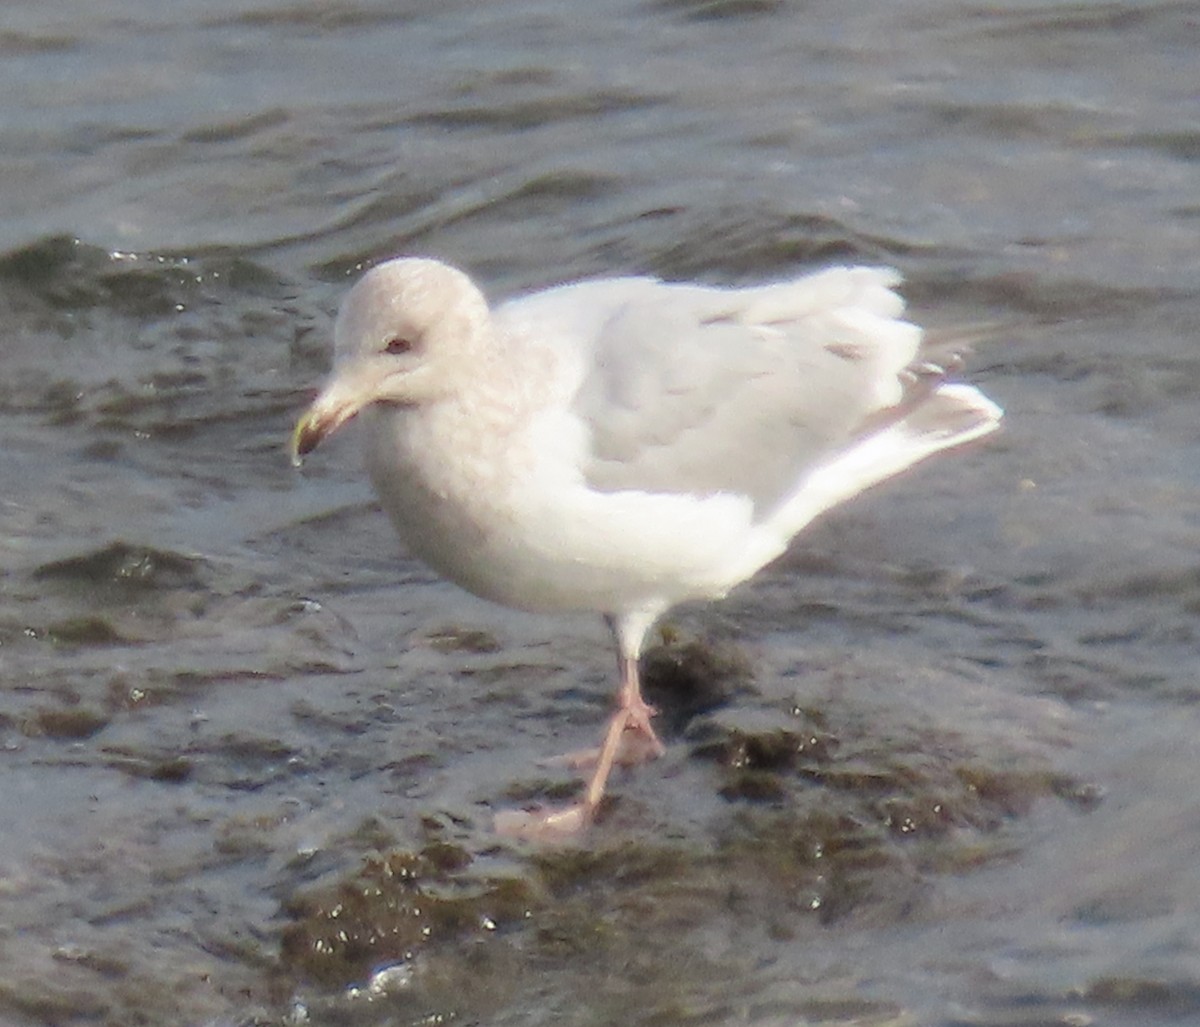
{"x":935,"y":767}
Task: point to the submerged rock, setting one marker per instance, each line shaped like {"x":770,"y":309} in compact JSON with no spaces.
{"x":397,"y":905}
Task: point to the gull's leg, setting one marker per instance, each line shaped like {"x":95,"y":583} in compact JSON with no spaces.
{"x":633,"y":714}
{"x":632,"y":717}
{"x":638,"y":711}
{"x":630,"y":738}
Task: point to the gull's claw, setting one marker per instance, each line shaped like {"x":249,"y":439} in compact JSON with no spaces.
{"x":545,"y":825}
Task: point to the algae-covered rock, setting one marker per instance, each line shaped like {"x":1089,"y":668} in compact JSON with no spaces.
{"x":394,"y":907}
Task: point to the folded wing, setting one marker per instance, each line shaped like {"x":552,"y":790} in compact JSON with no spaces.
{"x":748,"y":391}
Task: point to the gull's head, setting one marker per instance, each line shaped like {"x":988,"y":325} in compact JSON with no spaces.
{"x":401,"y":333}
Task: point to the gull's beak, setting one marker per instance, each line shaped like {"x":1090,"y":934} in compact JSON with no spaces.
{"x":308,"y":433}
{"x":329,"y":411}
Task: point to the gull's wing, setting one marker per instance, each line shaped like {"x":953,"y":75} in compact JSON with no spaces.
{"x":701,"y":390}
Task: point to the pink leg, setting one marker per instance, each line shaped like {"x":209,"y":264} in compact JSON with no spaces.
{"x":633,"y":716}
{"x":634,"y":741}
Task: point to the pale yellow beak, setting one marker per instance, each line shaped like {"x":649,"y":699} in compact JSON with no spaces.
{"x":336,"y":405}
{"x":306,"y":436}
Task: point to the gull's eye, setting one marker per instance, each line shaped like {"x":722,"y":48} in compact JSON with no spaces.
{"x":398,"y":345}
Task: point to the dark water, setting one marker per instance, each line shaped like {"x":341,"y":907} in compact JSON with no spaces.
{"x":937,"y":766}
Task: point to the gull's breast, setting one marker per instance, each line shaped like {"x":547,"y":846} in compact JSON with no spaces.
{"x":502,"y":510}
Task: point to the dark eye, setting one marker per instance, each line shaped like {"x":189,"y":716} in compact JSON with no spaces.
{"x":397,"y":345}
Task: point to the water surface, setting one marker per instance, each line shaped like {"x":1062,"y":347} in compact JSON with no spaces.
{"x":936,"y":766}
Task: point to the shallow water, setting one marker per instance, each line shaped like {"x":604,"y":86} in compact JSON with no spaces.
{"x":935,"y":767}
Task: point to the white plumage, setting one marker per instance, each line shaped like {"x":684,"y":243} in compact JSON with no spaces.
{"x":624,"y":445}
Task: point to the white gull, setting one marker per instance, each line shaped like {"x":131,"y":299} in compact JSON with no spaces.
{"x":626,"y":444}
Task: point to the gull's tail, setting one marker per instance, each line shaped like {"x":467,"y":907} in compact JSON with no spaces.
{"x":933,"y":418}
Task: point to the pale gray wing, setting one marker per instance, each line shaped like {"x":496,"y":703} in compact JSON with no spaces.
{"x":691,"y":389}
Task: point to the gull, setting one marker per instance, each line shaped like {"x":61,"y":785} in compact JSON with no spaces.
{"x":626,"y":444}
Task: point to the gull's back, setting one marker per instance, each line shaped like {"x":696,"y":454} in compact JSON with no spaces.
{"x":704,"y":391}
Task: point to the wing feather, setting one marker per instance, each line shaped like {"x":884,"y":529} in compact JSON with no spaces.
{"x":701,"y":390}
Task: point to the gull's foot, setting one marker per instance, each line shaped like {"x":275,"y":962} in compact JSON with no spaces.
{"x":545,"y":825}
{"x":639,"y":725}
{"x":636,"y":748}
{"x":639,"y":742}
{"x":629,"y":739}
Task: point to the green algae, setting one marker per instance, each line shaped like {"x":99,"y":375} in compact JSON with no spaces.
{"x":685,"y":678}
{"x":70,"y":723}
{"x":397,"y":905}
{"x":87,"y":630}
{"x":126,"y":566}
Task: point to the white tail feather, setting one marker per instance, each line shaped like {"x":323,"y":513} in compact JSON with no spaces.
{"x":953,"y":416}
